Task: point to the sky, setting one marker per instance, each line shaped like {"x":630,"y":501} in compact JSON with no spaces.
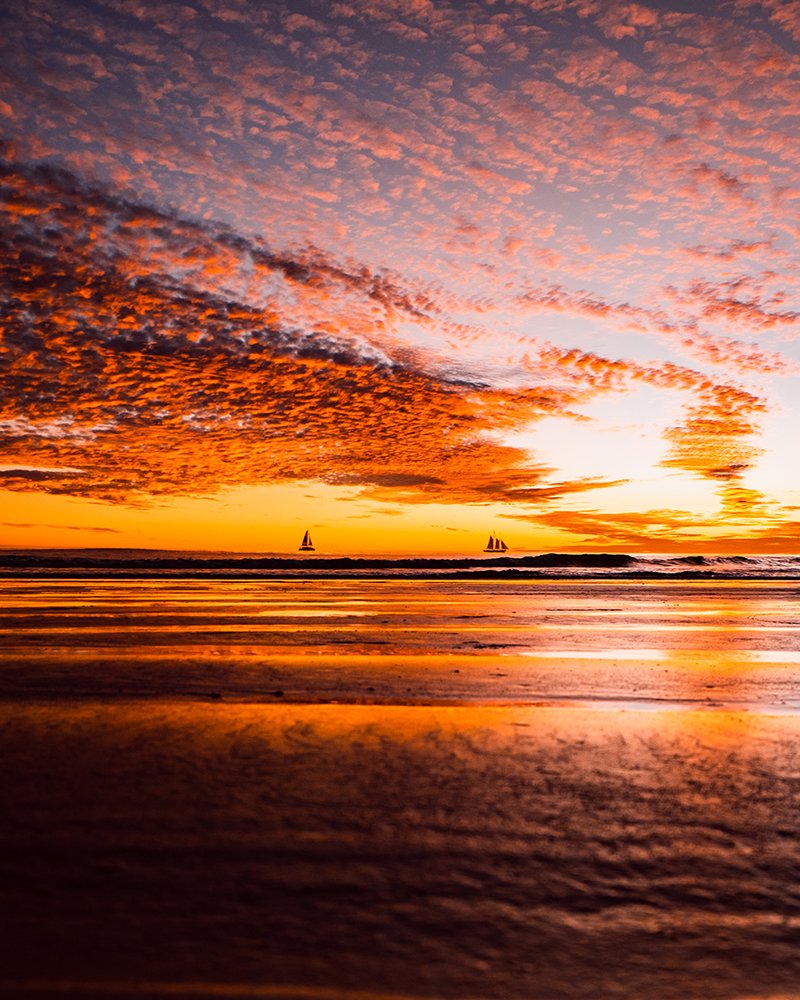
{"x":401,"y":272}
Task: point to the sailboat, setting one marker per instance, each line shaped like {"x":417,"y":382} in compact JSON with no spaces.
{"x":306,"y":545}
{"x":495,"y":545}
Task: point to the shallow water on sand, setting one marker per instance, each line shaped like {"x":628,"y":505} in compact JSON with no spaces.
{"x":345,"y":789}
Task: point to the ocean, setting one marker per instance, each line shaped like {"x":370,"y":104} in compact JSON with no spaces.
{"x":119,"y":562}
{"x":480,"y":780}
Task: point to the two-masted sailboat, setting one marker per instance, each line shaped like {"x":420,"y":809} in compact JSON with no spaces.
{"x":495,"y":544}
{"x":306,"y":545}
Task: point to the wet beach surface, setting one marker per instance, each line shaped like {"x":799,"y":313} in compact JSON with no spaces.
{"x":347,"y":789}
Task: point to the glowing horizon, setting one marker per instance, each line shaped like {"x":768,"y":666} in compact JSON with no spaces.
{"x":402,"y":272}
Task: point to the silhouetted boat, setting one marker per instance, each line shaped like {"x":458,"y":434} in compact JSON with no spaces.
{"x":495,"y":545}
{"x":306,"y":545}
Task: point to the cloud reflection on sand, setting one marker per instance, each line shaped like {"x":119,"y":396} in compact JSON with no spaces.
{"x":427,"y":851}
{"x":396,"y":641}
{"x":466,"y":789}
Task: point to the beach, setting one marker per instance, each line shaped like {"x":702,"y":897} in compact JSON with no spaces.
{"x":400,"y":549}
{"x":390,"y":788}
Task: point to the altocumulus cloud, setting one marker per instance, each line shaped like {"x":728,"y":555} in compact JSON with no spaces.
{"x":198,"y":390}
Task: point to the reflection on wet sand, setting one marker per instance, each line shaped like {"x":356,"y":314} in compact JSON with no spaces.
{"x":520,"y":828}
{"x":403,"y":641}
{"x":434,"y":851}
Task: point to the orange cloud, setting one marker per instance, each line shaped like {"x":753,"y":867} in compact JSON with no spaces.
{"x":199,"y":391}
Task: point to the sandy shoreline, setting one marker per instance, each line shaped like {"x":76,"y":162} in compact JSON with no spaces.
{"x":731,"y":644}
{"x":399,"y":850}
{"x":337,"y":791}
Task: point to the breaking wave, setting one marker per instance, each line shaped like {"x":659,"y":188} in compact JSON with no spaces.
{"x":155,"y":563}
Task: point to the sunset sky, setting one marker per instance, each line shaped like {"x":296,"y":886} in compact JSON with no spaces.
{"x":403,"y":272}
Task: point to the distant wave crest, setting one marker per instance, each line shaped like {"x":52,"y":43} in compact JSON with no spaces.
{"x":140,"y":562}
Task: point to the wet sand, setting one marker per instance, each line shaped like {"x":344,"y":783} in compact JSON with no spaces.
{"x":348,"y":789}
